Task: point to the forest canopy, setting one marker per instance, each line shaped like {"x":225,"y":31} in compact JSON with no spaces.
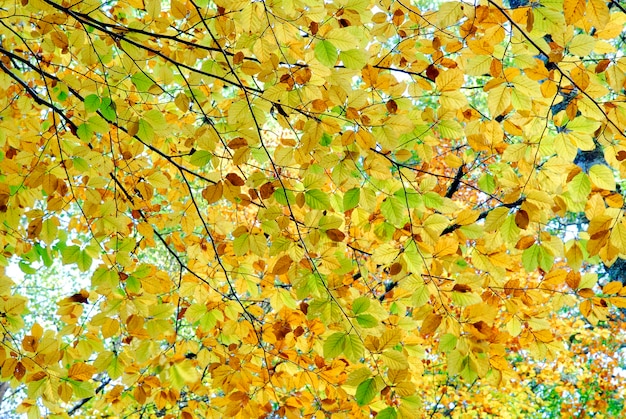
{"x":309,"y":208}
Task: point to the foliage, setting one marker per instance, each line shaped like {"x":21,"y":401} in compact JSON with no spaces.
{"x":293,"y":208}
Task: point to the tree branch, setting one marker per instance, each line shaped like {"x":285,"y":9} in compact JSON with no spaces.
{"x":482,"y":215}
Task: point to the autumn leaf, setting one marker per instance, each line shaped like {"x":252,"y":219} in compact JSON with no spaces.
{"x":257,"y":209}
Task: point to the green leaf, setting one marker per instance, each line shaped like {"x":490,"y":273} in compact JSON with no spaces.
{"x":394,"y":211}
{"x":581,"y":45}
{"x":579,"y":187}
{"x":465,"y":299}
{"x":546,"y":259}
{"x":367,"y":321}
{"x":107,"y":109}
{"x":353,"y":348}
{"x":184,"y":372}
{"x":285,"y":196}
{"x":360,"y":305}
{"x":145,"y":131}
{"x":530,"y":258}
{"x":447,"y":342}
{"x":83,"y":261}
{"x":354,"y":59}
{"x":420,"y":296}
{"x":70,"y":254}
{"x":241,"y":244}
{"x":509,"y":230}
{"x":366,"y":391}
{"x":200,"y":158}
{"x":84,"y":132}
{"x":487,"y":183}
{"x":316,"y":199}
{"x":26,"y":268}
{"x":98,"y":124}
{"x":82,"y":389}
{"x":44,"y":254}
{"x":334,"y":344}
{"x":80,"y":164}
{"x":142,"y":81}
{"x":36,"y":388}
{"x":133,"y":285}
{"x":387,"y":413}
{"x":92,"y":103}
{"x":115,"y":368}
{"x":433,"y":200}
{"x":326,"y":53}
{"x":351,"y":199}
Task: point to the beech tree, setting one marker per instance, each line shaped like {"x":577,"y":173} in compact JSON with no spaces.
{"x":308,"y":208}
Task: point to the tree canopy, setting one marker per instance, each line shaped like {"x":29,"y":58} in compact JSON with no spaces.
{"x":309,"y":208}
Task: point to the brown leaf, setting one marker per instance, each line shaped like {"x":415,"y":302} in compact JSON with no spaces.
{"x":432,"y":72}
{"x":335,"y":235}
{"x":238,"y":58}
{"x":601,"y":66}
{"x":282,"y":265}
{"x":395,"y":269}
{"x":521,"y":219}
{"x":461,"y":288}
{"x":237,"y":143}
{"x":34,"y":228}
{"x":267,"y":190}
{"x":19,"y":371}
{"x":80,"y":297}
{"x":235,"y":179}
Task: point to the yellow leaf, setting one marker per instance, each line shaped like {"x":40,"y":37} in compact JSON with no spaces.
{"x":598,"y":13}
{"x":496,"y":218}
{"x":581,"y":45}
{"x":618,"y":237}
{"x":395,"y":360}
{"x":385,"y":254}
{"x":619,"y":302}
{"x":498,"y":100}
{"x":389,"y":339}
{"x":81,"y":371}
{"x":612,"y":287}
{"x":450,"y":80}
{"x":574,"y":10}
{"x":602,"y":176}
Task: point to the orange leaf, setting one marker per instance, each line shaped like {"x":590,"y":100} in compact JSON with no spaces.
{"x":573,"y":279}
{"x":430,"y":324}
{"x":282,"y":265}
{"x":213,"y":193}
